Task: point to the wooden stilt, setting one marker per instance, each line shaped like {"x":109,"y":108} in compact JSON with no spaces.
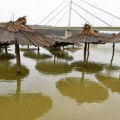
{"x":38,"y":49}
{"x":0,"y":48}
{"x":6,"y":51}
{"x":28,"y":47}
{"x":38,"y":52}
{"x":112,"y":54}
{"x":88,"y":51}
{"x":85,"y":48}
{"x":18,"y":63}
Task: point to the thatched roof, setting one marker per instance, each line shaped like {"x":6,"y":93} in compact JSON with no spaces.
{"x":56,"y":38}
{"x":114,"y":38}
{"x":24,"y":35}
{"x":59,"y":41}
{"x":86,"y":36}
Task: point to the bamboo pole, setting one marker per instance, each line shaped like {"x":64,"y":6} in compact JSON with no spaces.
{"x":0,"y":48}
{"x":85,"y":48}
{"x":6,"y":51}
{"x":88,"y":51}
{"x":28,"y":47}
{"x":112,"y":54}
{"x":38,"y":49}
{"x":18,"y":62}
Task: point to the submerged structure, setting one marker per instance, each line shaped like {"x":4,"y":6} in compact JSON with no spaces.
{"x":18,"y":33}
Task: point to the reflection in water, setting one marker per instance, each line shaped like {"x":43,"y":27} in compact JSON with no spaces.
{"x":49,"y":67}
{"x":4,"y":56}
{"x":8,"y":71}
{"x":28,"y":49}
{"x":82,"y":90}
{"x":90,"y":67}
{"x":30,"y":106}
{"x":33,"y":55}
{"x":111,"y":69}
{"x":23,"y":106}
{"x":110,"y":82}
{"x":113,"y":52}
{"x":73,"y":49}
{"x":60,"y":54}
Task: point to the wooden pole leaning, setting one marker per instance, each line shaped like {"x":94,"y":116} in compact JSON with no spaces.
{"x":18,"y":62}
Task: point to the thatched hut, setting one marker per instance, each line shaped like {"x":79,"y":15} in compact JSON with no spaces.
{"x":114,"y":38}
{"x":18,"y":33}
{"x":86,"y":36}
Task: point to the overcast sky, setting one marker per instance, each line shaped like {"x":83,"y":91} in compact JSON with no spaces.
{"x":36,"y":10}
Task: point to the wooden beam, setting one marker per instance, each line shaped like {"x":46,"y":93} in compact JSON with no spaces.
{"x":18,"y":62}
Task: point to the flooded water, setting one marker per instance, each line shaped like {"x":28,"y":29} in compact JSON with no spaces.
{"x":56,"y":85}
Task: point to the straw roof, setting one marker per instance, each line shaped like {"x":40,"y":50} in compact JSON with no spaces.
{"x":24,"y":35}
{"x":114,"y":38}
{"x":86,"y":36}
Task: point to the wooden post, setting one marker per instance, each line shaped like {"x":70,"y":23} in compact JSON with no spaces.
{"x":38,"y":49}
{"x":28,"y":47}
{"x":0,"y":48}
{"x":18,"y":62}
{"x":6,"y":49}
{"x":88,"y":52}
{"x":112,"y":54}
{"x":85,"y":48}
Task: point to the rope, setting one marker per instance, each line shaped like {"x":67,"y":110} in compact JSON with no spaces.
{"x":52,"y":11}
{"x":92,"y":14}
{"x":61,"y":17}
{"x":101,"y":10}
{"x":57,"y":14}
{"x":81,"y":16}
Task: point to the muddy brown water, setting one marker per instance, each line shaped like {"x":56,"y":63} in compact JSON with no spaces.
{"x":55,"y":84}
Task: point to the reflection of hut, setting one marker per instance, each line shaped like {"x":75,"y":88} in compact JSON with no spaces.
{"x":114,"y":38}
{"x":30,"y":106}
{"x":72,"y":49}
{"x":49,"y":67}
{"x":7,"y":71}
{"x":109,"y":82}
{"x":111,"y":69}
{"x":33,"y":55}
{"x":91,"y":67}
{"x":17,"y":32}
{"x":60,"y":54}
{"x":82,"y":90}
{"x":9,"y":56}
{"x":20,"y":106}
